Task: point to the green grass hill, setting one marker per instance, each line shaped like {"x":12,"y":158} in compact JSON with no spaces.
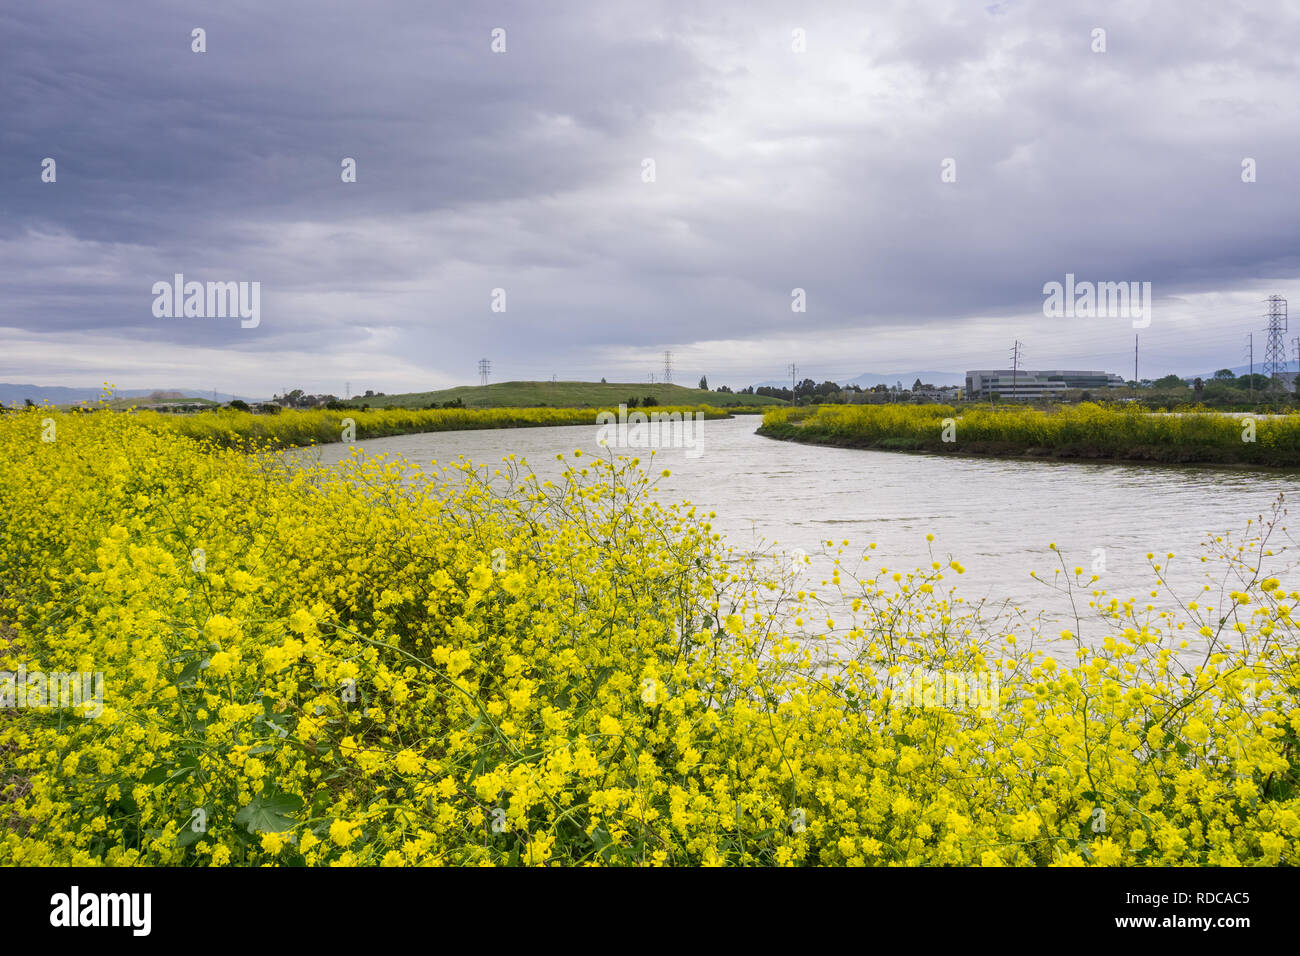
{"x":561,"y":395}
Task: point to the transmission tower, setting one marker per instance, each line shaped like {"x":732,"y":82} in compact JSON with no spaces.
{"x":794,"y":370}
{"x":484,"y":367}
{"x":668,"y":367}
{"x":1275,"y":351}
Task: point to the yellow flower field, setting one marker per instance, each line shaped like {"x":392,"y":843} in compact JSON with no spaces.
{"x":1086,"y":430}
{"x":370,"y":665}
{"x":228,"y":427}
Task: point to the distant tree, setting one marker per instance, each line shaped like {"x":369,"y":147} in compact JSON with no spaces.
{"x":238,"y":405}
{"x":370,"y":393}
{"x":632,"y":402}
{"x":334,"y":405}
{"x":454,"y":403}
{"x":724,"y":388}
{"x":917,"y":386}
{"x":29,"y":403}
{"x":1199,"y":387}
{"x":1224,"y":375}
{"x":704,"y":382}
{"x":1169,"y":381}
{"x":648,"y":401}
{"x":602,"y":380}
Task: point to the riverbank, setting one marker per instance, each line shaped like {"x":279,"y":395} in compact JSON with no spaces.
{"x":234,"y":429}
{"x":592,"y":395}
{"x":1084,"y":432}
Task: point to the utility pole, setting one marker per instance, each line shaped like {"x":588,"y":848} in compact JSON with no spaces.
{"x":484,"y":367}
{"x":1135,"y":368}
{"x":1250,"y":346}
{"x":347,"y":389}
{"x":793,"y":370}
{"x":1015,"y":367}
{"x":668,"y":367}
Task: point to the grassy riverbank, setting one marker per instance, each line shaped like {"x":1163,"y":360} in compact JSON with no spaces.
{"x":242,"y":429}
{"x":564,"y":395}
{"x":1088,"y":431}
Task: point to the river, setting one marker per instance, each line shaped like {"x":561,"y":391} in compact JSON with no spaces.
{"x":997,"y":517}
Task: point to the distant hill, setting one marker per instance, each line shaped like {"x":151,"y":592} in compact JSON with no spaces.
{"x":561,"y":394}
{"x":868,"y":379}
{"x":11,"y":394}
{"x":1238,"y":370}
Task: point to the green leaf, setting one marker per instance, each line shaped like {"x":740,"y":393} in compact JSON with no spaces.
{"x":190,"y":671}
{"x":156,"y":775}
{"x":269,"y":813}
{"x":478,"y":768}
{"x":188,"y":836}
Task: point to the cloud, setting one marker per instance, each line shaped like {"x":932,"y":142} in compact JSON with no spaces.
{"x":774,"y":169}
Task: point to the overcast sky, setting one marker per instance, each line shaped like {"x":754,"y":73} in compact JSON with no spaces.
{"x":774,"y":169}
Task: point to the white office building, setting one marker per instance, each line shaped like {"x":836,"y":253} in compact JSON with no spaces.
{"x":1030,"y":384}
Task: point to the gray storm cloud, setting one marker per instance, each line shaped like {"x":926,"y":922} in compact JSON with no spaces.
{"x":775,"y":168}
